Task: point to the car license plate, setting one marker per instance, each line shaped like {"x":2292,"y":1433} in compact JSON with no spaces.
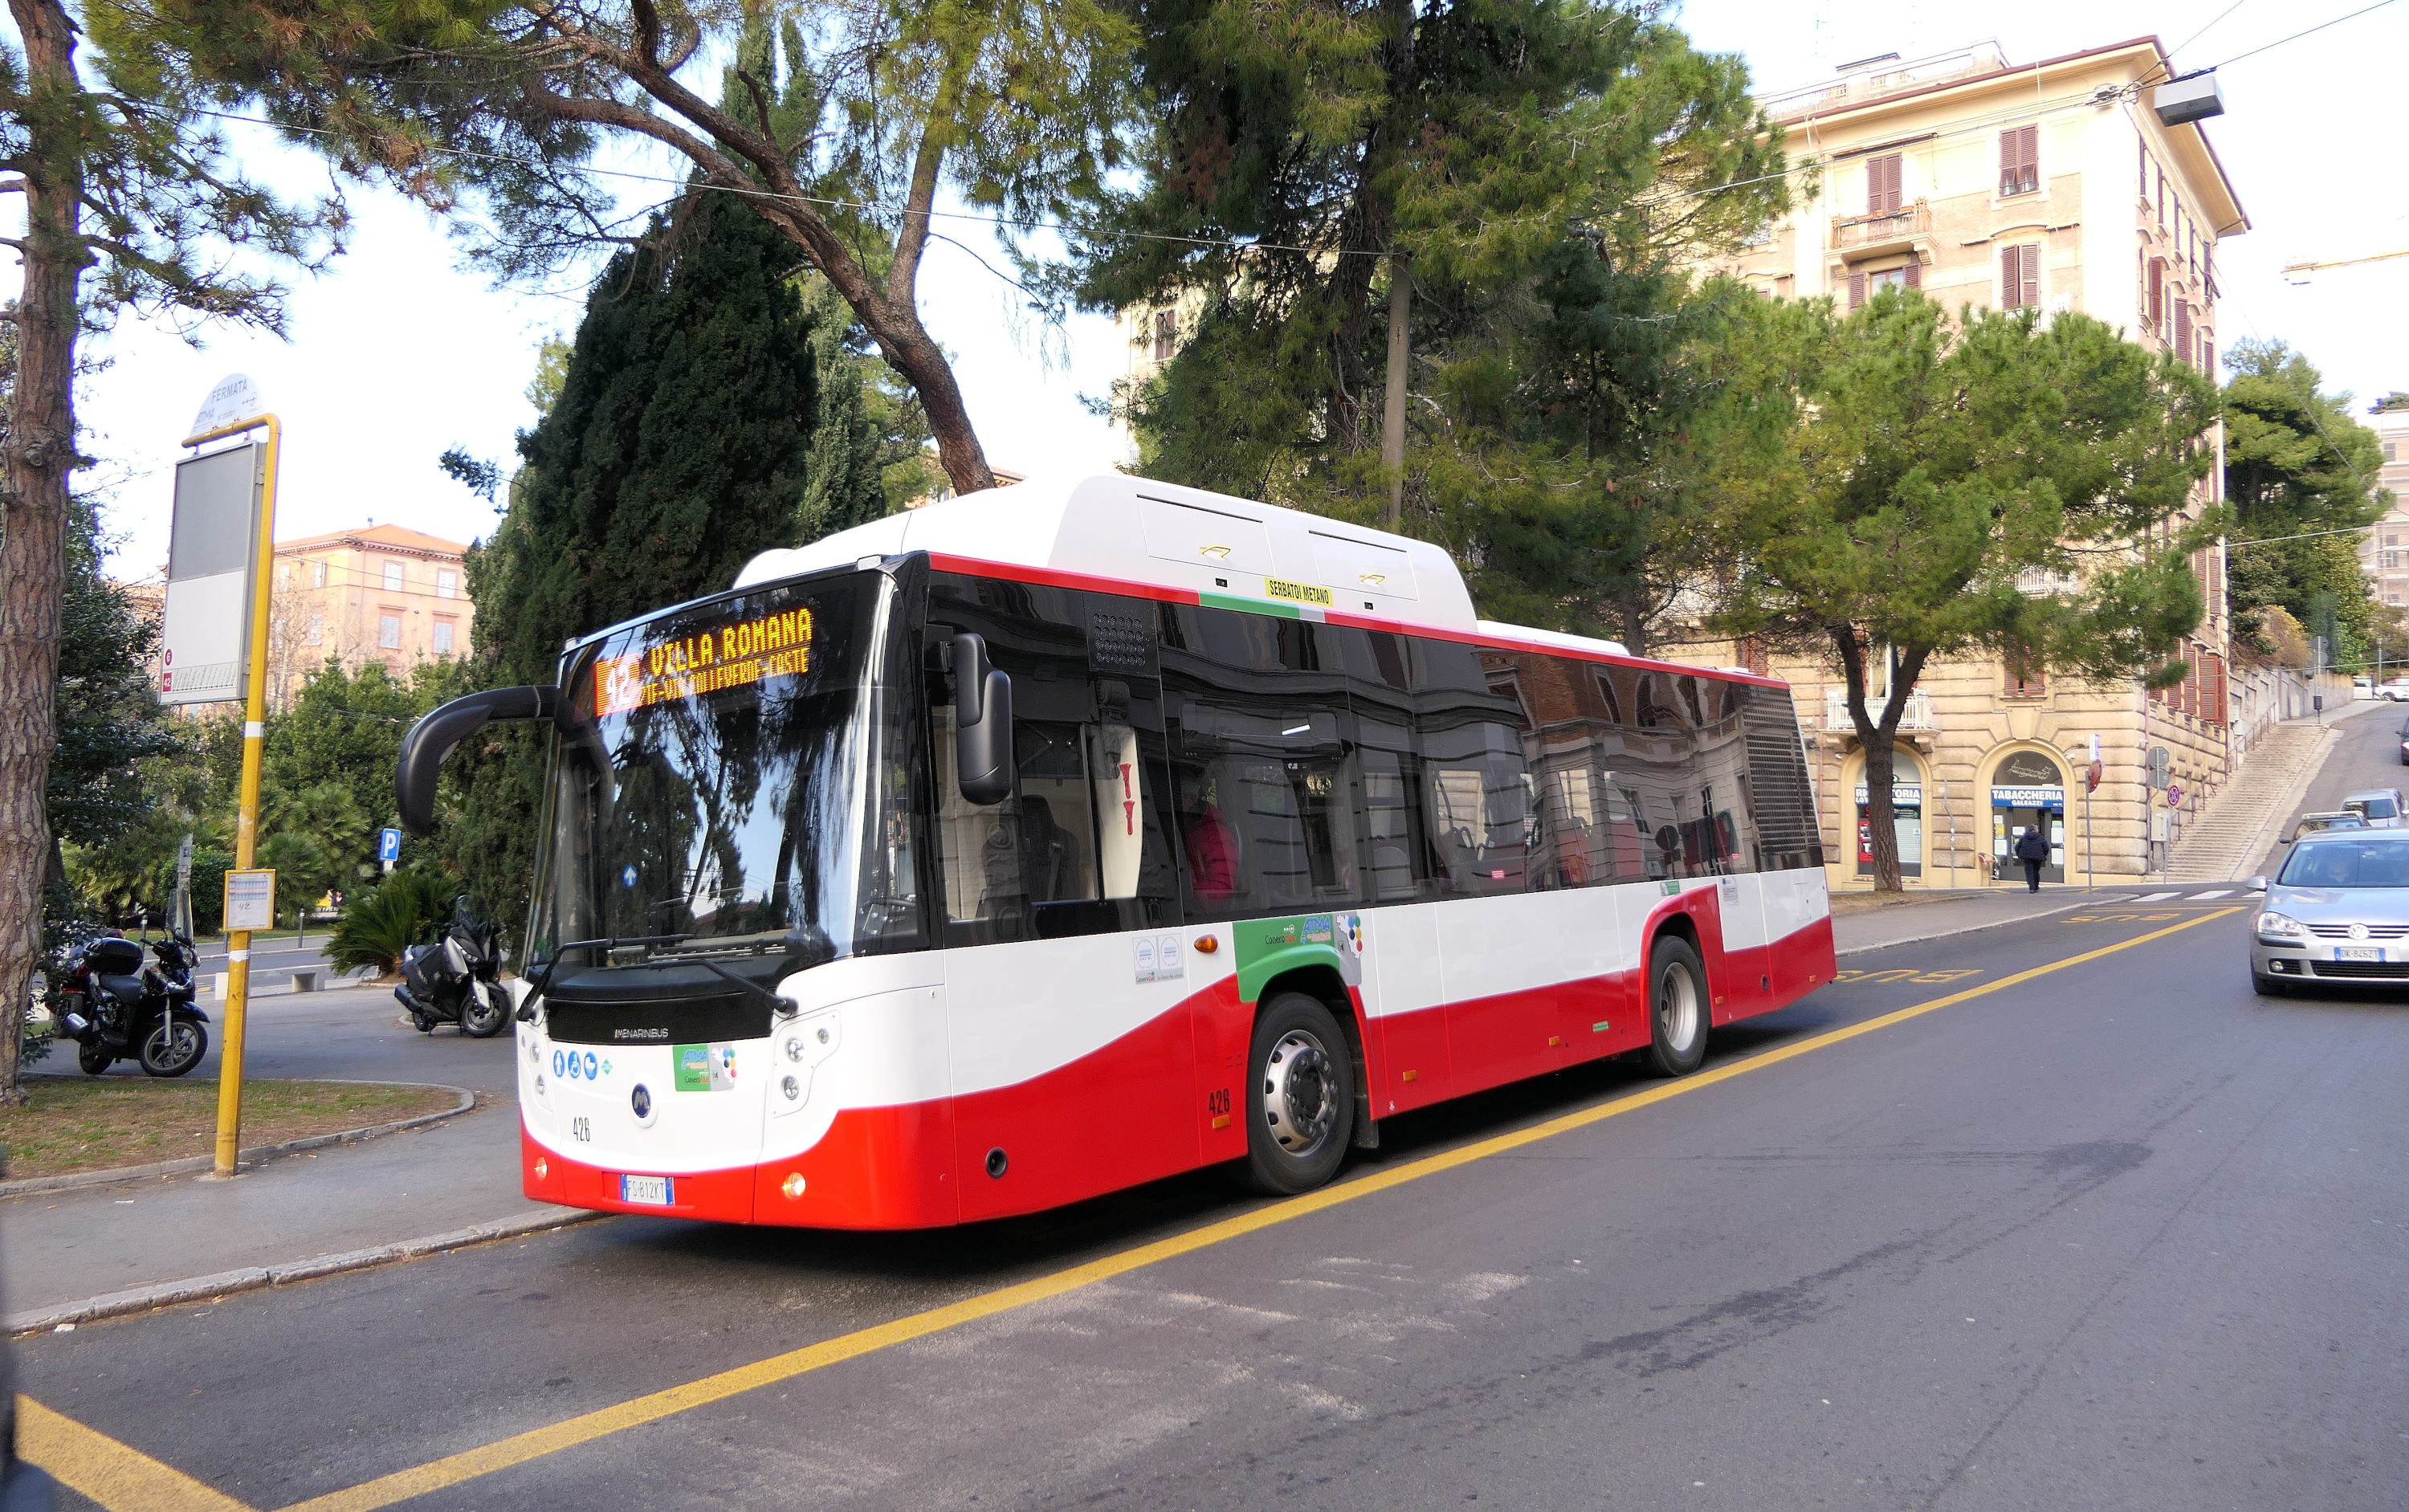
{"x":654,"y":1191}
{"x":2358,"y":952}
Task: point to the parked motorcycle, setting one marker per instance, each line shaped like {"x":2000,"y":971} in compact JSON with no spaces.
{"x":116,"y":1008}
{"x":457,"y":980}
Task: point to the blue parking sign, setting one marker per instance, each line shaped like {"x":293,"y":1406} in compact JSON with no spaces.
{"x":388,"y":845}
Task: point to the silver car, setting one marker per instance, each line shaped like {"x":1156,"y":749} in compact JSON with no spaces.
{"x":2338,"y":912}
{"x":2379,"y":806}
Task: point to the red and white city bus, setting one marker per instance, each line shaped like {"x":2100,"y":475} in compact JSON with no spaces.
{"x":1048,"y":840}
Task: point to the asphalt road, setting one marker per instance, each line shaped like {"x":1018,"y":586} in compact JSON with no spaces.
{"x":2120,"y":1235}
{"x":349,"y":1033}
{"x":2368,"y":756}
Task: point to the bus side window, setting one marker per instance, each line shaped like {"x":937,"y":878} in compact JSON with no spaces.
{"x":1259,"y":775}
{"x":1474,"y":776}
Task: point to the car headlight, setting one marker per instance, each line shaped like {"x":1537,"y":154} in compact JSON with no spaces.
{"x":2282,"y":929}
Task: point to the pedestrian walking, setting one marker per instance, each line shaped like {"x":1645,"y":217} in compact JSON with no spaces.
{"x":2033,"y":849}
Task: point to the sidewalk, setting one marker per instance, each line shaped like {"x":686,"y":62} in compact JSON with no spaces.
{"x":58,"y":1248}
{"x":1924,"y":915}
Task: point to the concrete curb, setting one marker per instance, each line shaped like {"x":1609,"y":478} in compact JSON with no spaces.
{"x":1965,"y":929}
{"x":77,"y":1180}
{"x":255,"y":1277}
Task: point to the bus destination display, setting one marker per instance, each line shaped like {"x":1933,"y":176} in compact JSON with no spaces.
{"x":710,"y":659}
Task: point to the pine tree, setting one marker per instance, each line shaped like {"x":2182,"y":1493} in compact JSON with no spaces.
{"x":707,"y":413}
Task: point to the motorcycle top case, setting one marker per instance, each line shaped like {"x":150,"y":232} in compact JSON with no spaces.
{"x":113,"y":958}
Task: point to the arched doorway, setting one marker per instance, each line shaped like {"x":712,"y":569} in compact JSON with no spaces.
{"x":1907,"y":815}
{"x":2027,"y":789}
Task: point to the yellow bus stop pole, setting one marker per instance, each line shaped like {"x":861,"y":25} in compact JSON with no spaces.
{"x":246,"y":823}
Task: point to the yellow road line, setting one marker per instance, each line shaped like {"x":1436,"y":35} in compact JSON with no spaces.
{"x":118,"y":1476}
{"x":518,"y":1449}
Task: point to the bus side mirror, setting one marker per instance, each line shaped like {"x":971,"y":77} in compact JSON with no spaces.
{"x":983,"y":764}
{"x":433,"y":737}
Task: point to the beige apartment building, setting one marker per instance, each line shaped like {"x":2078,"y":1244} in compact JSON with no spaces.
{"x":2049,"y":186}
{"x":2386,"y":554}
{"x":378,"y":593}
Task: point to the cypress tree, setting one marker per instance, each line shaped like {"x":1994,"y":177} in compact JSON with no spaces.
{"x":707,"y":413}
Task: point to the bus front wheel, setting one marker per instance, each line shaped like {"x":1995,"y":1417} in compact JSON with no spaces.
{"x":1301,"y":1102}
{"x":1677,"y":1007}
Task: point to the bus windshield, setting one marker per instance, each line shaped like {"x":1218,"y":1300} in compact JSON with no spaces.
{"x":732,"y":783}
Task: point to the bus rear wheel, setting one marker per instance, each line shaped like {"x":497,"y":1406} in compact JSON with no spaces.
{"x":1301,"y":1101}
{"x":1677,"y":1007}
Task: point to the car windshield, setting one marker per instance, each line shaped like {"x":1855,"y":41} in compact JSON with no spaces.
{"x":2377,"y":808}
{"x":732,"y":783}
{"x":2378,"y":859}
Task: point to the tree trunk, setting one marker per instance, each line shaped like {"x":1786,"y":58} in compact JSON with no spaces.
{"x":922,"y":363}
{"x":894,"y":324}
{"x":1878,"y":736}
{"x":1392,"y":418}
{"x":35,"y":460}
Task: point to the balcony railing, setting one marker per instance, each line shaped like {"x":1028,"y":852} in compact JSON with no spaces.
{"x":1866,"y":232}
{"x":1916,"y":717}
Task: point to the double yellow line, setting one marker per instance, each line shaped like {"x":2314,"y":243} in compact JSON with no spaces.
{"x":123,"y":1480}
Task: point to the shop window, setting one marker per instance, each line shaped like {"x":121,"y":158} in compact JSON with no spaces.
{"x":2028,"y":791}
{"x":1906,"y":816}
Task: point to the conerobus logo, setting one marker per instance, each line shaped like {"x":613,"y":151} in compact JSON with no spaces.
{"x":639,"y":1034}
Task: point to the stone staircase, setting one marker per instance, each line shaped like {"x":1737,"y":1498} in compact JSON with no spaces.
{"x":2233,"y":834}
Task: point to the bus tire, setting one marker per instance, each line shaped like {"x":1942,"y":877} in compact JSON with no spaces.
{"x":1677,"y":1016}
{"x":1300,"y":1103}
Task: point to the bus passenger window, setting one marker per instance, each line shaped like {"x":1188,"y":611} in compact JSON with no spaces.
{"x":1057,"y":813}
{"x":1265,"y":810}
{"x":1480,"y":812}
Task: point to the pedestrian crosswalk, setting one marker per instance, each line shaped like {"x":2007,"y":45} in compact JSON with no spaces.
{"x":2174,"y":895}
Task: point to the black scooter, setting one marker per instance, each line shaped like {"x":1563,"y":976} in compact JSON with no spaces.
{"x":457,"y":980}
{"x":116,"y":1008}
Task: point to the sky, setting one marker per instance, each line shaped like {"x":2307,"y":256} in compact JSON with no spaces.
{"x":397,"y":351}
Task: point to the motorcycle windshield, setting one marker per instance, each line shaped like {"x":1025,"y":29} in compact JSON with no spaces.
{"x":733,"y":783}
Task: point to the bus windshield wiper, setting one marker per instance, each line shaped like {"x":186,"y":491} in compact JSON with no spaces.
{"x":527,"y":1013}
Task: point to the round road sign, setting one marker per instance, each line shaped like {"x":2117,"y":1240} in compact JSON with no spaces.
{"x":2174,"y":795}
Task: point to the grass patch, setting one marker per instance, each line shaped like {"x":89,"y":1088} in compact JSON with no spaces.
{"x":93,"y":1123}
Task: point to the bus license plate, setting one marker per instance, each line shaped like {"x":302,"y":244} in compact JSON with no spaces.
{"x":654,"y":1191}
{"x":2358,"y":952}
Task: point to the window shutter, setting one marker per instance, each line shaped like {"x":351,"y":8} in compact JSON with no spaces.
{"x":1882,"y":185}
{"x":1912,"y":275}
{"x":2019,"y":277}
{"x":2157,"y":294}
{"x":2183,"y":330}
{"x":2208,"y":358}
{"x":2020,"y":160}
{"x":1856,"y":290}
